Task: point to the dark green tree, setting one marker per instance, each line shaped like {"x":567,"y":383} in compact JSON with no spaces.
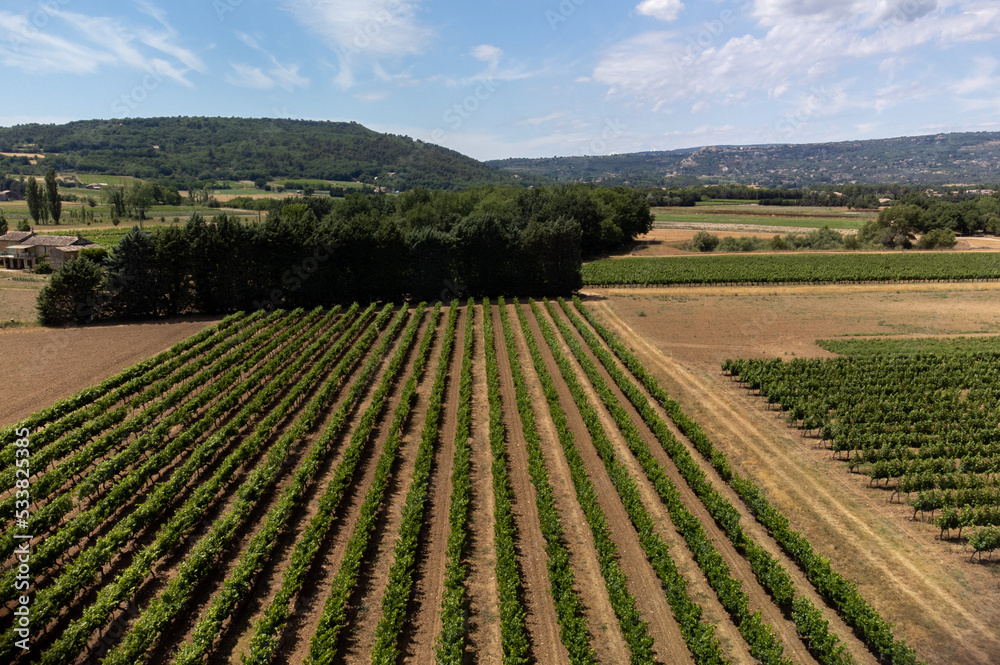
{"x":73,"y":294}
{"x":52,"y":195}
{"x":33,"y":195}
{"x":132,"y":282}
{"x":3,"y":224}
{"x":551,"y":256}
{"x":23,"y":225}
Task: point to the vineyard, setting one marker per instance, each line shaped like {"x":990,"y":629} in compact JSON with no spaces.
{"x":793,"y":268}
{"x":495,"y":482}
{"x":917,"y":417}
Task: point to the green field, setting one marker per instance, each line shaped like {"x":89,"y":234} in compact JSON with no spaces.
{"x":923,"y":345}
{"x":786,"y":268}
{"x":760,"y":220}
{"x":116,"y":180}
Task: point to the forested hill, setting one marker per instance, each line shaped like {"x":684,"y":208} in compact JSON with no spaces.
{"x":967,"y":158}
{"x":241,"y":149}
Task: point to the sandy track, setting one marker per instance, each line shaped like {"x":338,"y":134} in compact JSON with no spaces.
{"x":541,"y":622}
{"x":911,"y":581}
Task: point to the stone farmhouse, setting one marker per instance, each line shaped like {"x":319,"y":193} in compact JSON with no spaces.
{"x":23,"y":250}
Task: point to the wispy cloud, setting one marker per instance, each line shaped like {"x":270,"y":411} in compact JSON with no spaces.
{"x":77,"y":43}
{"x":665,"y":10}
{"x":282,"y":75}
{"x":363,"y":32}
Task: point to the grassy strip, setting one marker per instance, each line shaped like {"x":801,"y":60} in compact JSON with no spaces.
{"x":81,"y":571}
{"x":831,"y":585}
{"x":699,"y":636}
{"x":764,"y":644}
{"x":513,"y":635}
{"x":569,"y":610}
{"x":399,"y":589}
{"x":635,"y":630}
{"x":824,"y":645}
{"x":323,"y":646}
{"x":451,"y":641}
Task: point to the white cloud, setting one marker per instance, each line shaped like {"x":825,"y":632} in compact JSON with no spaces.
{"x":804,"y":42}
{"x":665,"y":10}
{"x":285,"y":76}
{"x":95,"y":42}
{"x":700,"y":107}
{"x":981,"y":79}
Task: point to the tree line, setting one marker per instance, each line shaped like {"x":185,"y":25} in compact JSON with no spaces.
{"x":485,"y":241}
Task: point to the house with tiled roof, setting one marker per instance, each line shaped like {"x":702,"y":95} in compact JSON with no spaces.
{"x":24,"y":250}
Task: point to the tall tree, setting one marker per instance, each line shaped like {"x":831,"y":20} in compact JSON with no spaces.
{"x":33,"y":195}
{"x":132,"y":280}
{"x":52,"y":192}
{"x":73,"y":294}
{"x":3,"y":224}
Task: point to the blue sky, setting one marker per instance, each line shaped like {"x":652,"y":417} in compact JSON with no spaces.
{"x":518,"y":78}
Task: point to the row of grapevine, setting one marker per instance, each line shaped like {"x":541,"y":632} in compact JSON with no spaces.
{"x":569,"y":609}
{"x":267,"y":631}
{"x":758,"y":269}
{"x":763,"y":643}
{"x":323,"y":645}
{"x":769,"y":572}
{"x":198,"y":563}
{"x":83,"y":569}
{"x":86,"y":521}
{"x":114,"y":388}
{"x":513,"y":635}
{"x":635,"y":630}
{"x":831,"y":585}
{"x":399,"y":590}
{"x":451,"y":641}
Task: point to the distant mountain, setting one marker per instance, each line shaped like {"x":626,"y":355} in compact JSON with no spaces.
{"x":242,"y":149}
{"x":968,"y":158}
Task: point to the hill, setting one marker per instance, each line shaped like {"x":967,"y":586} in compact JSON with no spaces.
{"x":240,"y":149}
{"x":971,"y":158}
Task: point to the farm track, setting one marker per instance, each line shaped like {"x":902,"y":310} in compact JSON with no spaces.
{"x":159,"y":595}
{"x":893,"y":571}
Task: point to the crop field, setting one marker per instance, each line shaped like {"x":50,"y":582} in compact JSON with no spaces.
{"x":494,"y":482}
{"x":792,"y":268}
{"x":760,"y":220}
{"x":917,"y":417}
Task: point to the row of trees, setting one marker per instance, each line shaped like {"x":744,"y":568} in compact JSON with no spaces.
{"x":367,"y":247}
{"x":44,"y":201}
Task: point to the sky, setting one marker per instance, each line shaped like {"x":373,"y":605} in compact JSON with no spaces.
{"x":517,"y":78}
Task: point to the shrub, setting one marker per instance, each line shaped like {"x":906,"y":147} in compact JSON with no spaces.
{"x":704,"y":241}
{"x":937,"y":239}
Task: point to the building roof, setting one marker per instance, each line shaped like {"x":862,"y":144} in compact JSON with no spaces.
{"x":16,"y":236}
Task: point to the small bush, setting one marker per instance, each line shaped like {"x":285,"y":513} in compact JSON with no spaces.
{"x":937,"y":239}
{"x":704,"y":241}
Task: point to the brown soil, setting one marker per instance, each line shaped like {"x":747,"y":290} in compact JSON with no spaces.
{"x":944,"y":607}
{"x":44,"y":365}
{"x":483,"y":643}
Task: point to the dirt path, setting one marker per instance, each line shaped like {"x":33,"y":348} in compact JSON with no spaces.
{"x":608,"y":642}
{"x":483,"y":642}
{"x":423,"y":625}
{"x":643,"y":582}
{"x":946,"y":609}
{"x":541,"y":621}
